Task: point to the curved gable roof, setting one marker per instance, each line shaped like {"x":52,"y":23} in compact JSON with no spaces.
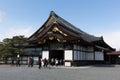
{"x":67,"y":27}
{"x":71,"y":27}
{"x":54,"y":18}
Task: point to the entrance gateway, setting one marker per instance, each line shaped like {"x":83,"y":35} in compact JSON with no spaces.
{"x":61,"y":51}
{"x":63,"y":56}
{"x":56,"y":54}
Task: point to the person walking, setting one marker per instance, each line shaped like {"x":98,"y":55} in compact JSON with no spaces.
{"x":56,"y":62}
{"x":18,"y":62}
{"x":52,"y":62}
{"x":31,"y":62}
{"x":39,"y":63}
{"x":28,"y":61}
{"x":45,"y":62}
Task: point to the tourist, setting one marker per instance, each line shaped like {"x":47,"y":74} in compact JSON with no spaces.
{"x":28,"y":61}
{"x":31,"y":62}
{"x":39,"y":63}
{"x":52,"y":62}
{"x":18,"y":62}
{"x":45,"y":62}
{"x":56,"y":61}
{"x":60,"y":62}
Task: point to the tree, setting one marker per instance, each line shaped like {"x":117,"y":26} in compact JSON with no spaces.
{"x":10,"y":47}
{"x":6,"y":49}
{"x":1,"y":49}
{"x":19,"y":43}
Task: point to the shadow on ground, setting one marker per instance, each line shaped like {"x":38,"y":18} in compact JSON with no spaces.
{"x":104,"y":65}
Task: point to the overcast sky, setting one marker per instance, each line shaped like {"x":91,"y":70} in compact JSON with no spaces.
{"x":96,"y":17}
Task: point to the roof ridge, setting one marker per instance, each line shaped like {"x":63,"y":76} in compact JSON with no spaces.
{"x":71,"y":26}
{"x":68,"y":26}
{"x":58,"y":18}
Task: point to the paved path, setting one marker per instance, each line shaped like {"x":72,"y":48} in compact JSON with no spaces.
{"x":60,"y":73}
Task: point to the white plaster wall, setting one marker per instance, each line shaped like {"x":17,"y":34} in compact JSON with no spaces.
{"x":45,"y":54}
{"x":99,"y":55}
{"x":68,"y":55}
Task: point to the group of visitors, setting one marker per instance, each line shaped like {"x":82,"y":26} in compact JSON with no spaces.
{"x":46,"y":63}
{"x":49,"y":62}
{"x":56,"y":62}
{"x":42,"y":63}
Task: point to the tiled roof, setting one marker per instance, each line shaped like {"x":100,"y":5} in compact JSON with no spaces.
{"x":67,"y":27}
{"x":71,"y":27}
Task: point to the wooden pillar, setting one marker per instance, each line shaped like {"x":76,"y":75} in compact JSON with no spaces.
{"x":110,"y":59}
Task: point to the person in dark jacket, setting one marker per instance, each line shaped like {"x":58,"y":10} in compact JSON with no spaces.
{"x":32,"y":62}
{"x":18,"y":62}
{"x":45,"y":62}
{"x":39,"y":63}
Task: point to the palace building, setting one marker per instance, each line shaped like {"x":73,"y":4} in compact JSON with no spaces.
{"x":59,"y":39}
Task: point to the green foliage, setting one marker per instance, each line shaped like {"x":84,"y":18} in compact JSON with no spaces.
{"x":12,"y":46}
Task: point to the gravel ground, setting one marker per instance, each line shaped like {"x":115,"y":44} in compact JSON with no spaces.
{"x":60,"y":73}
